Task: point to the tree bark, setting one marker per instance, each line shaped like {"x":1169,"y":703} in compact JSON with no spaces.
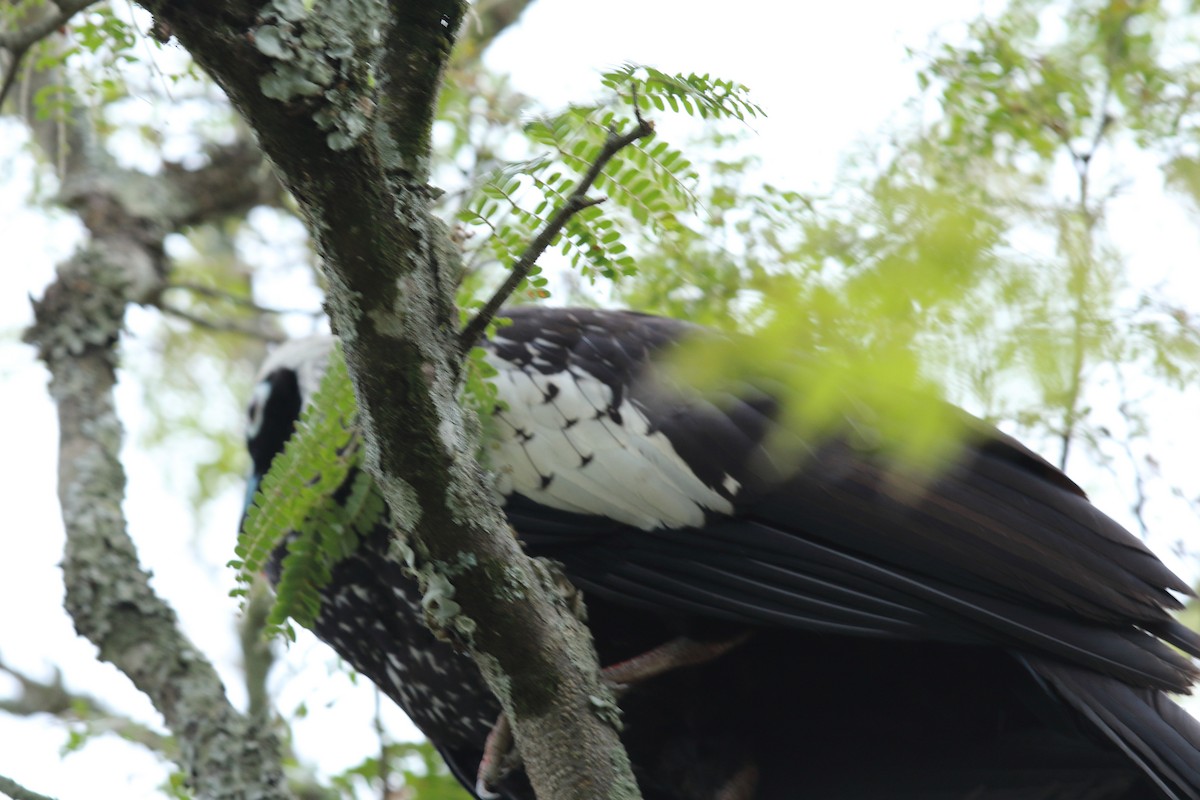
{"x":108,"y":593}
{"x":77,"y":327}
{"x":342,"y":96}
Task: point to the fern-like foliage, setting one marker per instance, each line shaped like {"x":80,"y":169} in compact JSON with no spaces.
{"x":695,"y":95}
{"x":317,"y":498}
{"x":649,"y":181}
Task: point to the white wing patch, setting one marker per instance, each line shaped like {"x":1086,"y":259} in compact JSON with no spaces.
{"x":558,"y":445}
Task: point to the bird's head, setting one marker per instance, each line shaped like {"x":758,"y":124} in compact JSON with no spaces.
{"x":286,"y":382}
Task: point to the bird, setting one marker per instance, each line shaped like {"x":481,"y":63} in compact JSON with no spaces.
{"x":805,"y":622}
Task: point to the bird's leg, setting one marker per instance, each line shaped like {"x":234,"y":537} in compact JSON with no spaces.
{"x":681,"y":651}
{"x":500,"y":757}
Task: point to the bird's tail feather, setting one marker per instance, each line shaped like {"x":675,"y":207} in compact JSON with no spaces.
{"x":1158,"y":735}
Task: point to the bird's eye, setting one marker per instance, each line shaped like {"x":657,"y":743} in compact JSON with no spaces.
{"x":257,"y":403}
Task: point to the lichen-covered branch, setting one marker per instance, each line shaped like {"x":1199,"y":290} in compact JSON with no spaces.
{"x":108,"y":593}
{"x":77,"y":325}
{"x":342,"y":96}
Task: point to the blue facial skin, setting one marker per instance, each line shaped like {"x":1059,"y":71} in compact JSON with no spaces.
{"x":252,"y":482}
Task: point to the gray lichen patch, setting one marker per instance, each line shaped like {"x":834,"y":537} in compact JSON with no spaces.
{"x":467,"y":493}
{"x":438,"y":600}
{"x":319,"y":58}
{"x":557,"y":586}
{"x":402,"y":500}
{"x":465,"y":627}
{"x":401,"y":551}
{"x":470,"y":490}
{"x":461,"y":563}
{"x":512,"y":583}
{"x":625,"y":786}
{"x":606,"y":709}
{"x":343,"y":304}
{"x":88,"y":314}
{"x":443,"y":614}
{"x":497,"y":679}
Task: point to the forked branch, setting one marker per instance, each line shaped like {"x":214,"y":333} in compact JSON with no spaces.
{"x":576,"y":201}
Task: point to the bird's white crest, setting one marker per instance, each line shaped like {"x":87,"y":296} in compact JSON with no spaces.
{"x":307,"y":357}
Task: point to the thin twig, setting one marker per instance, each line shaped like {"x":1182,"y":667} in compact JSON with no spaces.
{"x":223,"y":327}
{"x":233,"y":299}
{"x":1129,"y":415}
{"x":53,"y":698}
{"x":576,"y":202}
{"x":18,"y":42}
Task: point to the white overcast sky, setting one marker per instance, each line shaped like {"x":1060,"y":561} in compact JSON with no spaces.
{"x":826,"y":73}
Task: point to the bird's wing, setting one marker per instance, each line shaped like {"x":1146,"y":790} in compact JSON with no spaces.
{"x":674,"y":503}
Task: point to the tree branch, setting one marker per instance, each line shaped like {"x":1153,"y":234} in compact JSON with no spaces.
{"x":356,"y":157}
{"x":486,"y":20}
{"x":237,"y":300}
{"x":235,"y":180}
{"x":576,"y":201}
{"x":34,"y":32}
{"x":108,"y":593}
{"x":18,"y":792}
{"x":18,"y":42}
{"x":258,"y":651}
{"x":263,"y":333}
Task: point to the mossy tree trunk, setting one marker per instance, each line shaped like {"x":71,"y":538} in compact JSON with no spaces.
{"x":342,"y":96}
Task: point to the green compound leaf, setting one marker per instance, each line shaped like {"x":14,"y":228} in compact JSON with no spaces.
{"x":695,"y":95}
{"x":317,"y":498}
{"x":649,"y":183}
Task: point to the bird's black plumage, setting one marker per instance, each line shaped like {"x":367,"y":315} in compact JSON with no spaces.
{"x":984,"y":632}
